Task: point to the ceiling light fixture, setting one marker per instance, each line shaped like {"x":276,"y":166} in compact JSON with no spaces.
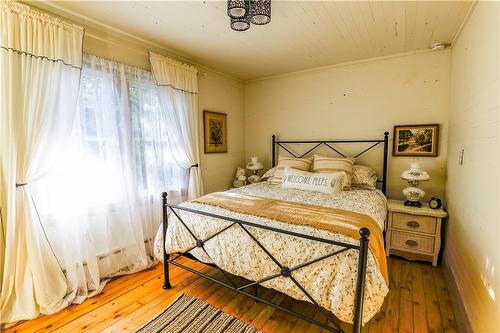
{"x":237,"y":8}
{"x":240,"y":23}
{"x":244,"y":12}
{"x":260,"y":11}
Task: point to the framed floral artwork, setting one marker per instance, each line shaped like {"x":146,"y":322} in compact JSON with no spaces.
{"x":416,"y":140}
{"x":215,"y":132}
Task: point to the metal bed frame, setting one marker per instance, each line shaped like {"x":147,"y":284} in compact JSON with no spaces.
{"x":281,"y":270}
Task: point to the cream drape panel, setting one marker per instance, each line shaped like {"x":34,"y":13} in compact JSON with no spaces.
{"x":177,"y":86}
{"x":40,"y":61}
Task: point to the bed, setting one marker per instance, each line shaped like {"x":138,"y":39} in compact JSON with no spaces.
{"x":312,"y":246}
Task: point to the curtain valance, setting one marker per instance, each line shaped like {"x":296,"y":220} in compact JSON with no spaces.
{"x":168,"y":72}
{"x":27,"y":31}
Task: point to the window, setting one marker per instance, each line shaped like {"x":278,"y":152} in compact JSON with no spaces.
{"x":108,"y":186}
{"x":119,"y":139}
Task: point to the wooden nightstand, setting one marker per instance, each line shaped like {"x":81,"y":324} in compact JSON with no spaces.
{"x":413,"y":233}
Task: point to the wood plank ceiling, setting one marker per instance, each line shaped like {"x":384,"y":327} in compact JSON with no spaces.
{"x":301,"y":35}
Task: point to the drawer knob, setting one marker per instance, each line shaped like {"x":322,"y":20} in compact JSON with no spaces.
{"x":413,"y":224}
{"x":411,"y":242}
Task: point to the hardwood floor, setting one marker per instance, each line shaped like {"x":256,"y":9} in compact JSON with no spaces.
{"x":418,"y":301}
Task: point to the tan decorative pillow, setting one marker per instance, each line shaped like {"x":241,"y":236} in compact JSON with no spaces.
{"x":325,"y":164}
{"x":363,"y":176}
{"x":303,"y":164}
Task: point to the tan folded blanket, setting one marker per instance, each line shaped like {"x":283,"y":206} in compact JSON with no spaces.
{"x":334,"y":220}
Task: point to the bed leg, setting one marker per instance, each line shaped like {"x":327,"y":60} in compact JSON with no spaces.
{"x":166,"y":283}
{"x":360,"y":283}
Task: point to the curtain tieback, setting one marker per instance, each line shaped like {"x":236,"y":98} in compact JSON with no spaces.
{"x":194,"y":166}
{"x":29,"y":181}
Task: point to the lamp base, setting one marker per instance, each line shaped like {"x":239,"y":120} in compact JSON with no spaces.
{"x":413,"y":203}
{"x":254,"y":179}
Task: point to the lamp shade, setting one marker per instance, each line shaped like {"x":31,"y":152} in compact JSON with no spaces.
{"x":415,"y":173}
{"x":240,"y":24}
{"x":255,"y":166}
{"x":260,"y":11}
{"x":237,"y":8}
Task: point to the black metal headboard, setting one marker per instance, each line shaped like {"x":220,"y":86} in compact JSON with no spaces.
{"x":330,"y":143}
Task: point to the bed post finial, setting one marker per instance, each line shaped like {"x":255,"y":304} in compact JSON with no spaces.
{"x":166,"y":282}
{"x":364,"y":233}
{"x":360,"y":283}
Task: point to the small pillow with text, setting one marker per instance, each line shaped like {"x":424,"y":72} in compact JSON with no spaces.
{"x":318,"y":182}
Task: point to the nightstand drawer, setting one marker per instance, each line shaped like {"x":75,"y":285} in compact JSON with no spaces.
{"x":412,"y":242}
{"x":409,"y":222}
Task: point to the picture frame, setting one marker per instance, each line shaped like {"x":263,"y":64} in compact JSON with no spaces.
{"x":215,"y":132}
{"x":416,"y":140}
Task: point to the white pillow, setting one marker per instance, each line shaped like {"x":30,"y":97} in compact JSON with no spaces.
{"x":319,"y":182}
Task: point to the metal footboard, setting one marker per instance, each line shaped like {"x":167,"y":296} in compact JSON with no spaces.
{"x":283,"y":271}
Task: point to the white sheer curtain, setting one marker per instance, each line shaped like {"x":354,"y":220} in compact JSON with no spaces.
{"x":40,"y":59}
{"x":103,"y":207}
{"x":177,"y":86}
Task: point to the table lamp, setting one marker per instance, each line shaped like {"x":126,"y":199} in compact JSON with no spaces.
{"x":254,"y":166}
{"x":414,"y":176}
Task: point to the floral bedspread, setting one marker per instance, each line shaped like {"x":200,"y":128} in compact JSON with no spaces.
{"x":331,"y":282}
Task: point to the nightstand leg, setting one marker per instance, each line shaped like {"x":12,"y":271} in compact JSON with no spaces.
{"x":388,"y":234}
{"x":435,"y":261}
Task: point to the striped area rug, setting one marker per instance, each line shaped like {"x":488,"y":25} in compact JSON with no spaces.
{"x":187,"y":314}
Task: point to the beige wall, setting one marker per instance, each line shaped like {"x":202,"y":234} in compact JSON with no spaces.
{"x":356,"y":101}
{"x":222,"y":94}
{"x":473,"y":189}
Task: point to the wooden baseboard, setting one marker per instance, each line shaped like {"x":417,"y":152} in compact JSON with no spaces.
{"x":461,"y":316}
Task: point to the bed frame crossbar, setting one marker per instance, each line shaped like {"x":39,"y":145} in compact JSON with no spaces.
{"x":281,"y":270}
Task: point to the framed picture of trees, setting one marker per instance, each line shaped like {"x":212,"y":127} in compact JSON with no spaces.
{"x":416,"y":140}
